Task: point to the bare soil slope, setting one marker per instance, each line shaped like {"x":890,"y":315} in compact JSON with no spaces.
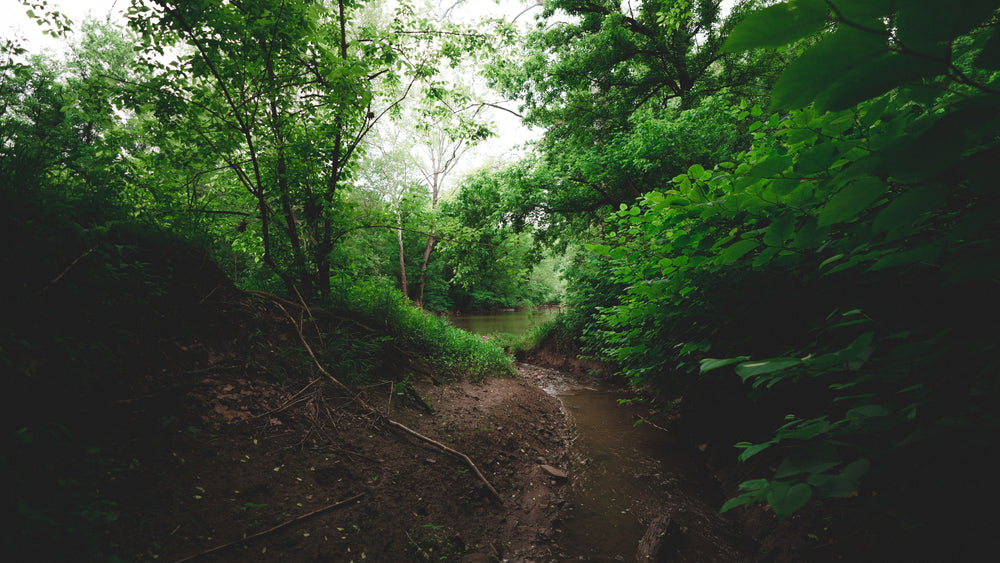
{"x":226,"y":444}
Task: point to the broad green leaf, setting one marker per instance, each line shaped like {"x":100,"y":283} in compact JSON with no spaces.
{"x":929,"y":26}
{"x":754,"y":485}
{"x":823,"y":64}
{"x":780,"y":230}
{"x":862,"y":11}
{"x":830,"y":260}
{"x":696,"y":172}
{"x":786,"y":499}
{"x":851,"y":200}
{"x":940,"y":147}
{"x":736,"y":251}
{"x":866,"y":411}
{"x":736,"y":502}
{"x":772,"y":165}
{"x":804,"y":429}
{"x":904,"y":210}
{"x":777,"y":25}
{"x":925,"y":253}
{"x":876,"y":76}
{"x":816,"y":159}
{"x":708,"y":364}
{"x":764,"y":257}
{"x":815,"y":459}
{"x":843,"y":484}
{"x":752,"y":450}
{"x":747,"y":370}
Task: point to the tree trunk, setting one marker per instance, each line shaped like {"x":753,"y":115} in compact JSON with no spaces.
{"x":423,"y":269}
{"x":402,"y":257}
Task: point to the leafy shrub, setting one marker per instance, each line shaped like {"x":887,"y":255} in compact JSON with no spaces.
{"x":842,"y":263}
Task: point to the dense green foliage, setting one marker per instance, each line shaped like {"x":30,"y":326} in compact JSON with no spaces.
{"x":126,"y":175}
{"x":787,"y":209}
{"x":843,"y":260}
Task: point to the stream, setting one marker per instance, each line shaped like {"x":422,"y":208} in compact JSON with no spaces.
{"x":623,"y":475}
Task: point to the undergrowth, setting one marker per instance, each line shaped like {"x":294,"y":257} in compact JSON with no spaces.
{"x":449,"y":351}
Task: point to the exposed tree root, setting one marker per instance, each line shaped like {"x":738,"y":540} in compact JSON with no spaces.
{"x":370,"y":409}
{"x":464,"y":457}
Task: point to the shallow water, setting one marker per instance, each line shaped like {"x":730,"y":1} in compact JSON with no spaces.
{"x":623,"y":475}
{"x":514,"y":322}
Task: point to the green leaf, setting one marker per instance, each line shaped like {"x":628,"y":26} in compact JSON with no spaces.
{"x":874,"y":77}
{"x":941,"y":146}
{"x":824,"y":64}
{"x":754,"y":485}
{"x":599,"y":249}
{"x":780,"y":230}
{"x":925,"y":253}
{"x":736,"y":502}
{"x":903,"y":211}
{"x":815,"y":459}
{"x":852,"y":200}
{"x":751,"y":450}
{"x":696,"y":172}
{"x":863,"y":11}
{"x":736,"y":251}
{"x":866,"y":411}
{"x":804,"y":429}
{"x":747,"y":370}
{"x":809,"y":235}
{"x":989,"y":56}
{"x":843,"y":484}
{"x":786,"y":499}
{"x":708,"y":364}
{"x":777,"y":25}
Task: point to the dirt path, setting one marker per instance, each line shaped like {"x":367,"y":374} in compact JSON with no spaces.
{"x":224,"y":468}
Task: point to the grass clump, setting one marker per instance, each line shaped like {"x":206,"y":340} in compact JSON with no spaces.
{"x":449,"y":351}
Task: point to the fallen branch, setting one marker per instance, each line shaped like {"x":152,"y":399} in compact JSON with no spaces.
{"x":274,"y":529}
{"x":416,"y":545}
{"x":290,"y":400}
{"x":68,"y":268}
{"x":302,"y":338}
{"x":451,"y":451}
{"x":391,"y":422}
{"x":651,"y":423}
{"x":311,"y":316}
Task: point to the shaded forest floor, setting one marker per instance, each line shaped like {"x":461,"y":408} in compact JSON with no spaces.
{"x":223,"y":431}
{"x":192,"y":422}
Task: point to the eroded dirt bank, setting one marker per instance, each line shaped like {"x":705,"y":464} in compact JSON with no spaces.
{"x":221,"y":447}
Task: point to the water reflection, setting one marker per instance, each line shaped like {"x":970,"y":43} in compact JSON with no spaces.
{"x":513,"y":322}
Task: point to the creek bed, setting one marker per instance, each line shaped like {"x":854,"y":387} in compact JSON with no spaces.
{"x":623,"y":475}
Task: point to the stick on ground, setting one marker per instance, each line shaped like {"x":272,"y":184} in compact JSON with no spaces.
{"x":274,"y":529}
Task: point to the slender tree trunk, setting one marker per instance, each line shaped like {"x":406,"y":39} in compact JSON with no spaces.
{"x":402,"y":256}
{"x":325,"y":243}
{"x":431,"y":239}
{"x":300,"y":270}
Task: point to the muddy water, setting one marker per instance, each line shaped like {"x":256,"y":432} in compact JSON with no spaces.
{"x":513,"y":322}
{"x":623,"y":475}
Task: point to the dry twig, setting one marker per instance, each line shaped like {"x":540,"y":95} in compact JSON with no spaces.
{"x":274,"y":529}
{"x":373,"y":411}
{"x":68,"y":268}
{"x":451,"y":451}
